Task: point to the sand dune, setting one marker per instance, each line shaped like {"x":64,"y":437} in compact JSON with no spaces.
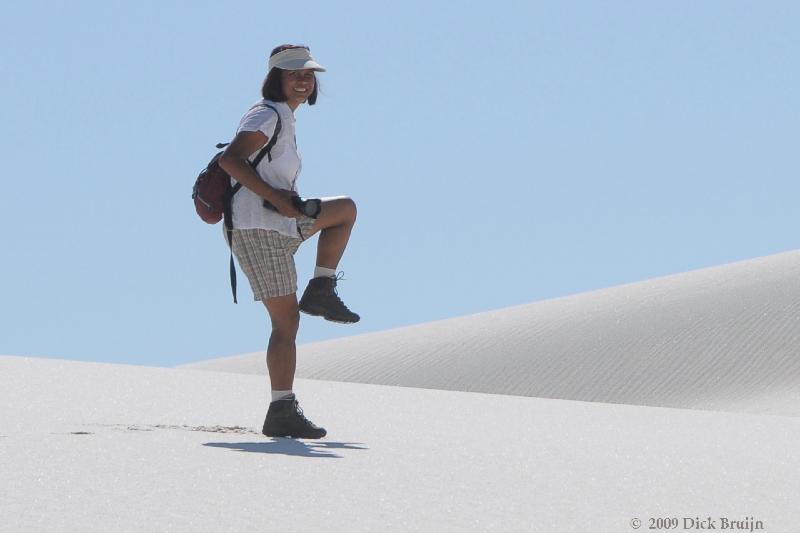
{"x":98,"y":447}
{"x":723,"y":338}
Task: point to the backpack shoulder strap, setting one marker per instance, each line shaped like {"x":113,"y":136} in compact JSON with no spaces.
{"x":267,"y":150}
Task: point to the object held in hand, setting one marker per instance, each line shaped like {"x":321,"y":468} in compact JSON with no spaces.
{"x":309,"y":207}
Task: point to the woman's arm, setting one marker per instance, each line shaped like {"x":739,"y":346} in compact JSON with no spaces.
{"x":234,"y":162}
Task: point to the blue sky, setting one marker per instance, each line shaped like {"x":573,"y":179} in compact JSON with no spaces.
{"x":500,"y":154}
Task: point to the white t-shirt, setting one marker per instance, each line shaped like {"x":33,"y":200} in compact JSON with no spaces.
{"x":282,"y":172}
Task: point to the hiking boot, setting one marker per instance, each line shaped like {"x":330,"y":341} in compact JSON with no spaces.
{"x":286,"y":419}
{"x":321,"y":299}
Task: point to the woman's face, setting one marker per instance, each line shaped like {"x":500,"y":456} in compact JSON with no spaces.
{"x":297,"y":85}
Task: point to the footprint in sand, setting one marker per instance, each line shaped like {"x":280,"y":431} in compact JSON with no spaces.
{"x":206,"y":429}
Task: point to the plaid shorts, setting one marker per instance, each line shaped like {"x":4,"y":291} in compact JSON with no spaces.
{"x":267,"y":259}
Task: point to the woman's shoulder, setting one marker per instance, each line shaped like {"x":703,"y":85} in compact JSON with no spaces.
{"x":264,"y":109}
{"x":261,"y":116}
{"x":263,"y":106}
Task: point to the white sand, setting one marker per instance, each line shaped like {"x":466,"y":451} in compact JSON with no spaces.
{"x":724,"y":338}
{"x":98,"y":447}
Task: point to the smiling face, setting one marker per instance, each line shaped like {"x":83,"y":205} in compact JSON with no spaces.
{"x":297,"y":86}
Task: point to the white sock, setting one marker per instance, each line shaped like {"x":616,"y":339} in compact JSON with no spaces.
{"x":322,"y":272}
{"x":281,"y":394}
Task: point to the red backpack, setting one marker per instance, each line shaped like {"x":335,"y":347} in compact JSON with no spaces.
{"x":213,"y":194}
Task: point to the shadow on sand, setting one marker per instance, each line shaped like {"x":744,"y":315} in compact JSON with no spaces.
{"x":285,"y":446}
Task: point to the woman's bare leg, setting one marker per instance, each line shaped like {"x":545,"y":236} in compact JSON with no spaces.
{"x":284,"y":418}
{"x":335,"y":221}
{"x":282,"y":350}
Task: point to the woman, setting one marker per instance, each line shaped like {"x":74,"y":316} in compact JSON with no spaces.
{"x":268,"y":229}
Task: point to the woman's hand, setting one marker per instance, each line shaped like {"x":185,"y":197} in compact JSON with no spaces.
{"x":283,"y":203}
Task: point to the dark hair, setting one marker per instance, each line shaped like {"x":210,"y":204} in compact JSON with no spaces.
{"x":272,"y":88}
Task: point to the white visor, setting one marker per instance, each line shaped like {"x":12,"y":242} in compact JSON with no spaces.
{"x":295,"y":59}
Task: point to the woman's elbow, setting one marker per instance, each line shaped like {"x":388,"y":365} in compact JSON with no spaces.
{"x":227,"y":162}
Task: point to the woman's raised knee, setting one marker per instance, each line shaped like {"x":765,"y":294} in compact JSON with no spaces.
{"x":350,"y":208}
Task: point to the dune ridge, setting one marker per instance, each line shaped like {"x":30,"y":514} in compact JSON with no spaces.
{"x":722,"y":338}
